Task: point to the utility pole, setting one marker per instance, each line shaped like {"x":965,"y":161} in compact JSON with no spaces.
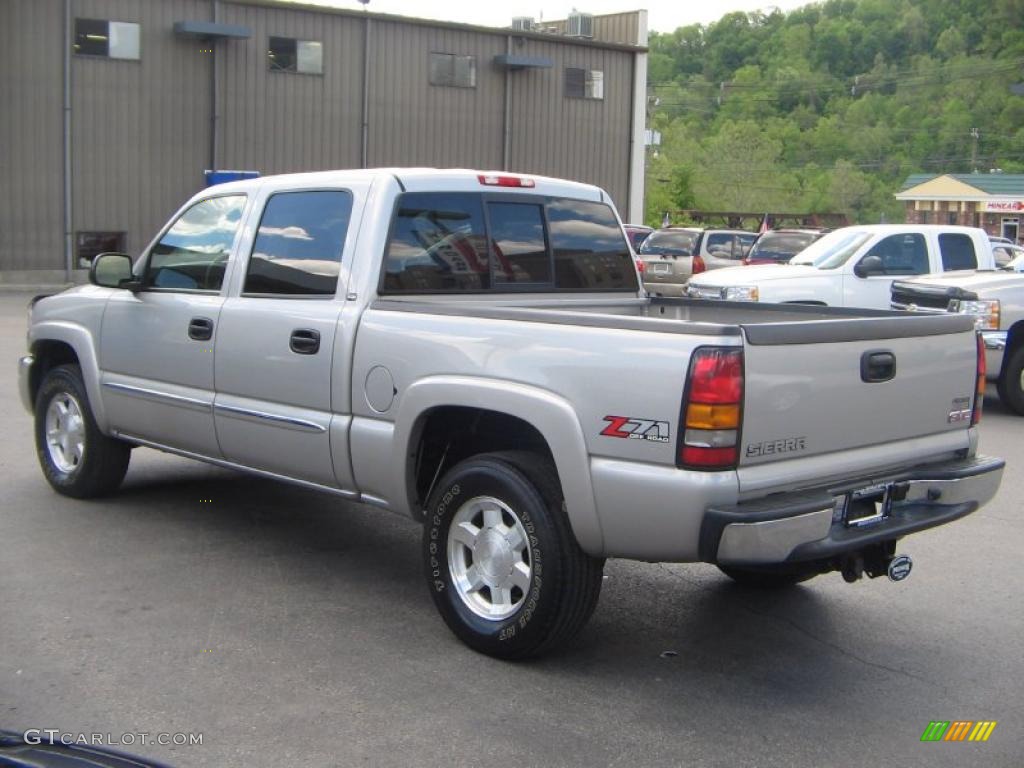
{"x":974,"y":149}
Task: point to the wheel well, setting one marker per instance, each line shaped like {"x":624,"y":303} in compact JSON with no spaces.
{"x":1014,"y":339}
{"x":48,"y":355}
{"x":446,"y":435}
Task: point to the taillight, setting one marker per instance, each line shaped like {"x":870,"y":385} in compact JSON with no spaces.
{"x":640,"y":267}
{"x":698,"y":265}
{"x":712,"y":409}
{"x":979,"y":389}
{"x":495,"y":180}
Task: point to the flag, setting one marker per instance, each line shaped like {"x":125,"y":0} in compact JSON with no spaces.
{"x":665,"y":220}
{"x":764,"y":225}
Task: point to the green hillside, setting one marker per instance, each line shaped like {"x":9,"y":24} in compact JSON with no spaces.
{"x":831,"y":106}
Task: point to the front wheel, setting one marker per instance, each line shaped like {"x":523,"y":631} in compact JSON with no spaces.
{"x":76,"y":458}
{"x":503,"y":567}
{"x":1011,"y":381}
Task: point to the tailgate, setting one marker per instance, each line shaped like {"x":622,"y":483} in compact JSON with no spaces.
{"x":815,"y":388}
{"x":658,"y":269}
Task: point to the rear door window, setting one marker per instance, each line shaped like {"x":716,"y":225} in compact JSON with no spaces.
{"x":299,"y":244}
{"x":957,"y":251}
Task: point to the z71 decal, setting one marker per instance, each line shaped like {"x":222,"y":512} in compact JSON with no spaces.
{"x":636,"y":429}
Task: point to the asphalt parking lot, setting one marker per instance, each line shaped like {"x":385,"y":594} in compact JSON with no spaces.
{"x":289,"y":628}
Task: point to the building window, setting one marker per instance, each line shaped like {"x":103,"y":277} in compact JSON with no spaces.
{"x":584,"y":83}
{"x":299,"y":244}
{"x":452,"y":71}
{"x":110,"y":39}
{"x":288,"y":55}
{"x":89,"y":245}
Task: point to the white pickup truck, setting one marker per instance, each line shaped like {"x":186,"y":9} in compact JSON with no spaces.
{"x":852,"y":266}
{"x":473,"y":350}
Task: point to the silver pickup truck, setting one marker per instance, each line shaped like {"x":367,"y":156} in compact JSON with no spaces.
{"x":474,"y":350}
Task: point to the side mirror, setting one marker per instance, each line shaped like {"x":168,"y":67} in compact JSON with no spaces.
{"x":112,"y":270}
{"x":869,"y":265}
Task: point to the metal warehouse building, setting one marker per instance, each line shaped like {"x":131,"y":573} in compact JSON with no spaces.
{"x":113,"y":109}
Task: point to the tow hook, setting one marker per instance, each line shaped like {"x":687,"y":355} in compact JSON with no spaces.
{"x":879,"y":560}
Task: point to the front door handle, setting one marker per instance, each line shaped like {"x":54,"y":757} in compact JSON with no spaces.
{"x":200,"y":328}
{"x":304,"y":341}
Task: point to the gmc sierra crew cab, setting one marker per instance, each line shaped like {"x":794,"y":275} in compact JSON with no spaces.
{"x":474,"y":350}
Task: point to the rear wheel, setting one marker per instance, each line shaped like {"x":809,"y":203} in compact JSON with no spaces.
{"x":1011,"y":381}
{"x":766,"y":579}
{"x":76,"y":458}
{"x":502,"y":564}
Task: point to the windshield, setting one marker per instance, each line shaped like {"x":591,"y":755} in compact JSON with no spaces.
{"x":833,"y":250}
{"x":672,"y":242}
{"x":781,"y":246}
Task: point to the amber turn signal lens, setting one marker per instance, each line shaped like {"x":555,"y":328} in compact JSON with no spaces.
{"x":703,"y":416}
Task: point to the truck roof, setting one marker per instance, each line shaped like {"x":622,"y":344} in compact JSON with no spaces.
{"x":426,"y":179}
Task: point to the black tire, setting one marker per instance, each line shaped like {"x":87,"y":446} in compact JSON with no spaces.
{"x":1010,"y":386}
{"x":564,"y":582}
{"x":766,"y":579}
{"x":103,"y":460}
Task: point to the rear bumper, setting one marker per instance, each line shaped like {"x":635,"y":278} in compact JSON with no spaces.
{"x":800,"y":527}
{"x":24,"y":381}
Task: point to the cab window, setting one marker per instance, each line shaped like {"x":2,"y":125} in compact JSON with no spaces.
{"x":903,"y":254}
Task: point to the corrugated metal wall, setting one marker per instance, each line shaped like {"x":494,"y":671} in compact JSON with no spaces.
{"x":141,"y":129}
{"x":280,"y":122}
{"x":620,"y":28}
{"x":415,"y":123}
{"x":581,"y":139}
{"x":31,"y":143}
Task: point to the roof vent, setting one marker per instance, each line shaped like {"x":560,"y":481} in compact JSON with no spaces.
{"x":522,"y":23}
{"x":580,"y":25}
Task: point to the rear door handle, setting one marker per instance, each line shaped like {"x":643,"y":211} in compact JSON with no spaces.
{"x":304,"y":341}
{"x":200,"y":328}
{"x":877,"y":365}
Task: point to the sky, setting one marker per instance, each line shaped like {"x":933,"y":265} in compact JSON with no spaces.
{"x":663,"y":15}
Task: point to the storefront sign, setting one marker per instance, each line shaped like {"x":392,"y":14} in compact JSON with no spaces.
{"x":1004,"y":206}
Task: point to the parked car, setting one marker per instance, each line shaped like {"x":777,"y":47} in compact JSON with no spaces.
{"x":852,"y":266}
{"x":671,"y":256}
{"x":778,"y":246}
{"x":996,"y":239}
{"x":464,"y":348}
{"x":668,"y":258}
{"x":636,"y":234}
{"x":996,"y":300}
{"x":1017,"y":265}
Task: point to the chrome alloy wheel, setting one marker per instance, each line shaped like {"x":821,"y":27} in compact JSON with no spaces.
{"x":489,"y":558}
{"x":65,"y":432}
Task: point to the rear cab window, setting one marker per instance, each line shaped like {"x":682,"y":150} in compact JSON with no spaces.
{"x":468,"y":242}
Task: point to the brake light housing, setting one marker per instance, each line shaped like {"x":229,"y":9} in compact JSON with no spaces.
{"x":640,"y":266}
{"x":697,"y":265}
{"x":502,"y":180}
{"x":712,"y":412}
{"x":979,"y":388}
